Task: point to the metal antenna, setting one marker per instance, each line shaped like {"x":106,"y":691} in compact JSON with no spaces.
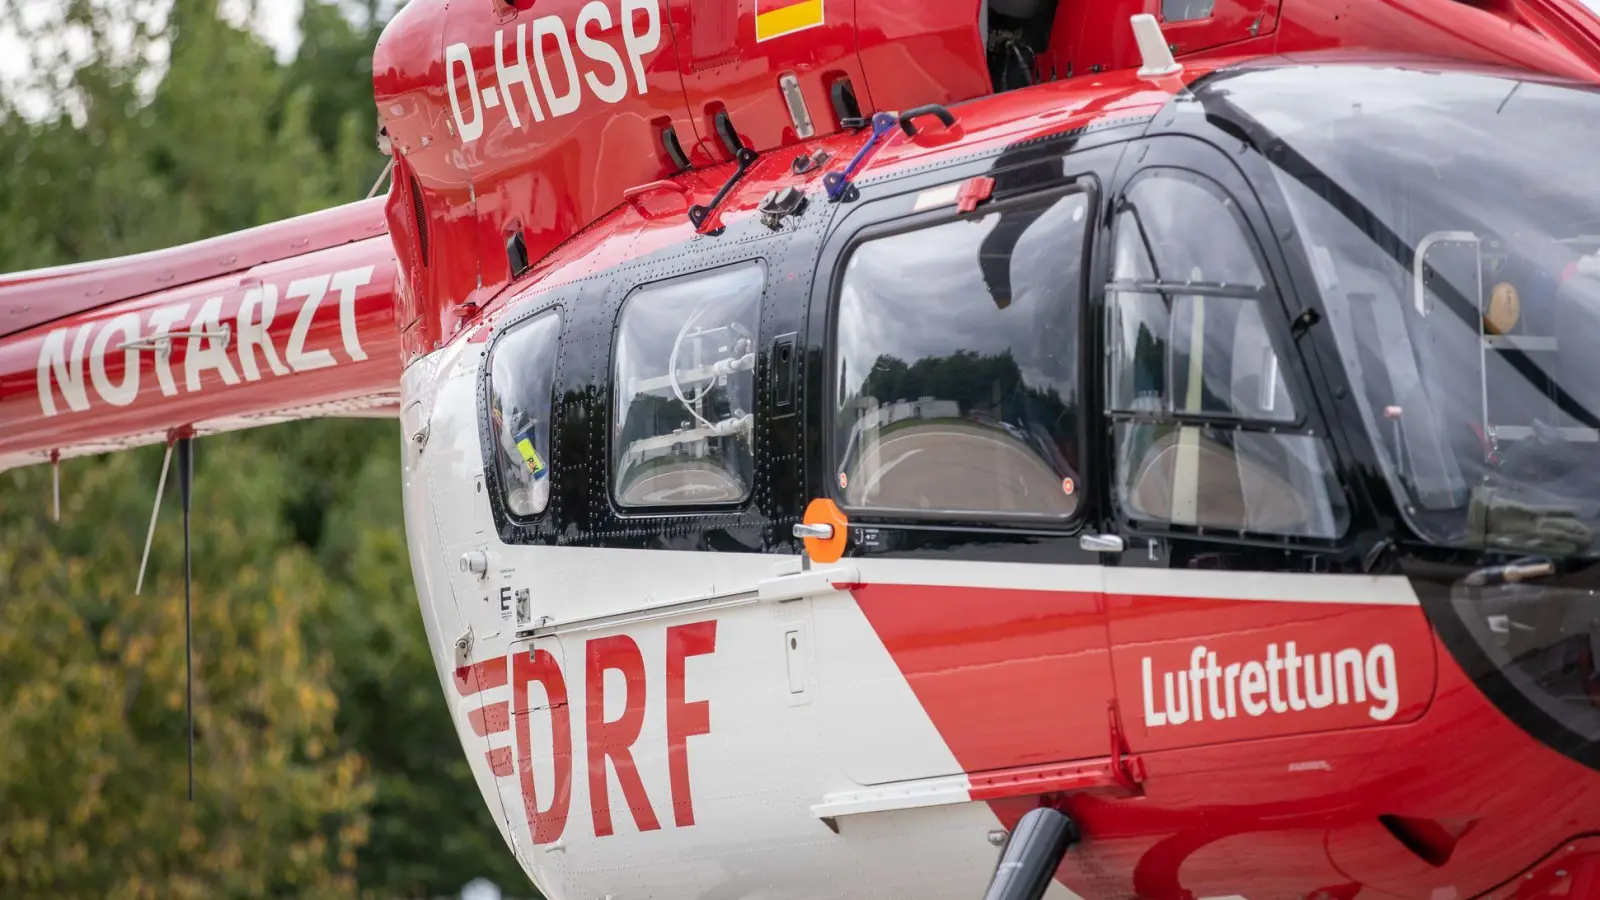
{"x":154,"y":514}
{"x":387,"y":171}
{"x":55,"y":469}
{"x":185,"y":484}
{"x":1154,"y":52}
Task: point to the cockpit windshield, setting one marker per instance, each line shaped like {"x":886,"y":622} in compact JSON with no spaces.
{"x":1452,"y":221}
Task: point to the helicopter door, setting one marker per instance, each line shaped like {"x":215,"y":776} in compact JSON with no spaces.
{"x":954,"y":415}
{"x":1229,"y":618}
{"x":770,"y":65}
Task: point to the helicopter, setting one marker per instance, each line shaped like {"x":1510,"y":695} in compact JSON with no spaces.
{"x":1005,"y":448}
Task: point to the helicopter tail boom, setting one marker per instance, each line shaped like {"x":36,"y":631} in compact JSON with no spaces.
{"x":290,"y":321}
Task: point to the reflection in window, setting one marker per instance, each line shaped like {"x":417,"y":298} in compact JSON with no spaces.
{"x":522,"y":379}
{"x":685,"y":389}
{"x":1177,"y":226}
{"x":1194,"y":354}
{"x":957,"y":365}
{"x":1229,"y":479}
{"x":1457,"y":263}
{"x":1188,"y":339}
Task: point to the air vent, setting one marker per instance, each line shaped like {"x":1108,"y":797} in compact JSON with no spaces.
{"x":421,"y":213}
{"x":517,"y":254}
{"x":845,"y":108}
{"x":1432,"y":840}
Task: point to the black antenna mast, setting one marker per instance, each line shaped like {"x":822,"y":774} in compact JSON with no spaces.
{"x":185,"y":486}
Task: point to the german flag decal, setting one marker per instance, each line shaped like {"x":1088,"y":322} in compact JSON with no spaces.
{"x":776,"y":18}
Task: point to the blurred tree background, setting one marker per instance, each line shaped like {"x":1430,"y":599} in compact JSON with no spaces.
{"x":326,"y":764}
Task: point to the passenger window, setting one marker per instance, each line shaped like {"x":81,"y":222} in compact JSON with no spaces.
{"x":686,"y":389}
{"x":521,"y":392}
{"x":957,"y":365}
{"x":1189,"y":346}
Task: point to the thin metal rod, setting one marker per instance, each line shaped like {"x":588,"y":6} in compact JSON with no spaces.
{"x":55,"y":467}
{"x":387,"y":171}
{"x":185,"y":484}
{"x":150,"y":535}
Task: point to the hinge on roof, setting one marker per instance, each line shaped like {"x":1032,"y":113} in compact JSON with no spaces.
{"x":838,"y":183}
{"x":780,"y":204}
{"x":704,"y":218}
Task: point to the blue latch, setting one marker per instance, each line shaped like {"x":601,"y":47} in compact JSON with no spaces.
{"x":839,"y":182}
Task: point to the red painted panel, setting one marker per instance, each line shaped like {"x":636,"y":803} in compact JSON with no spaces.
{"x":1544,"y":35}
{"x":408,"y":81}
{"x":1009,"y":677}
{"x":1087,"y":35}
{"x":685,"y":718}
{"x":732,"y":63}
{"x":1571,"y":872}
{"x":914,"y":52}
{"x":500,"y":761}
{"x":1295,"y":816}
{"x":1446,"y":29}
{"x":1198,"y":671}
{"x":480,"y":677}
{"x":1230,"y":21}
{"x":535,"y":120}
{"x":492,"y":718}
{"x":1015,"y":117}
{"x":541,"y":666}
{"x":614,"y":740}
{"x":1291,"y":815}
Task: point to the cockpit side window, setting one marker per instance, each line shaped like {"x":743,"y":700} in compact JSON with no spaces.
{"x":1451,"y":226}
{"x":522,"y":383}
{"x":957,"y":365}
{"x":685,"y":390}
{"x":1204,"y":416}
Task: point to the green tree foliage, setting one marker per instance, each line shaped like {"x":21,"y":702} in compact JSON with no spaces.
{"x":985,"y":386}
{"x":92,"y":734}
{"x":326,"y":764}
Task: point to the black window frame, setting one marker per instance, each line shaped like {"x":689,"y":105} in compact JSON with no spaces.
{"x":505,"y":520}
{"x":622,"y":511}
{"x":1086,"y":184}
{"x":1274,"y":305}
{"x":1267,"y":297}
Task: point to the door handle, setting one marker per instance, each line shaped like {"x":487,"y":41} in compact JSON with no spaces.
{"x":1101,"y":543}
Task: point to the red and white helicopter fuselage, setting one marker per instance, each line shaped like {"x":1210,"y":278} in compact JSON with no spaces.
{"x":664,"y":692}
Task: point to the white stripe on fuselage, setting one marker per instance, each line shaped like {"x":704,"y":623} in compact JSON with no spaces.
{"x":1291,"y":587}
{"x":1209,"y":584}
